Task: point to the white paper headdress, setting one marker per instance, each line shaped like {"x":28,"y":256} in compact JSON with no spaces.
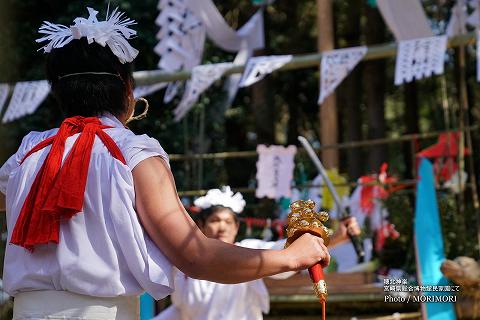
{"x":224,"y":198}
{"x":114,"y":32}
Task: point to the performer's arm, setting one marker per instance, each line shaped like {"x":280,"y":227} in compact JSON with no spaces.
{"x":175,"y":233}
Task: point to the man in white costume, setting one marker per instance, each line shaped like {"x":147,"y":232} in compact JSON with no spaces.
{"x":93,"y":216}
{"x":195,"y":299}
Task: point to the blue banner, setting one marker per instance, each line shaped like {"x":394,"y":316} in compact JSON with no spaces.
{"x":429,"y":243}
{"x":147,"y":307}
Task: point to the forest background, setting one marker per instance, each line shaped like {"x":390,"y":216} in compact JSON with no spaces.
{"x":280,"y":107}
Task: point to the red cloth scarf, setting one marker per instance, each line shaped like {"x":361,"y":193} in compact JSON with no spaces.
{"x":57,"y":192}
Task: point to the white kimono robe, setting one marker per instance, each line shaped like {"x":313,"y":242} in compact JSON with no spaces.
{"x":204,"y":300}
{"x":103,"y":251}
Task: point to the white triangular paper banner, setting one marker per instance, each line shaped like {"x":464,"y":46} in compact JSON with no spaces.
{"x":26,"y":98}
{"x":181,"y":40}
{"x":474,"y":17}
{"x":420,"y":58}
{"x":258,"y":67}
{"x":143,"y":91}
{"x":275,"y":167}
{"x":458,"y":19}
{"x":4,"y":89}
{"x":335,"y":67}
{"x":202,"y":78}
{"x":171,"y":91}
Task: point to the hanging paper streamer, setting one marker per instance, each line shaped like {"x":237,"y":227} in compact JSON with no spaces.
{"x":202,"y":79}
{"x":275,"y":171}
{"x":420,"y":58}
{"x":172,"y":90}
{"x":458,"y":19}
{"x":143,"y":91}
{"x":232,"y":84}
{"x":4,"y":89}
{"x":26,"y":98}
{"x":474,"y":18}
{"x":258,"y":67}
{"x":249,"y":37}
{"x":335,"y":66}
{"x":183,"y":26}
{"x":181,"y":40}
{"x":250,"y":34}
{"x":406,"y":19}
{"x":181,"y":36}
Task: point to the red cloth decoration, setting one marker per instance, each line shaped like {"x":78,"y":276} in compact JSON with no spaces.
{"x":445,"y":152}
{"x":387,"y":230}
{"x":447,"y":146}
{"x":57,"y":192}
{"x":371,"y":190}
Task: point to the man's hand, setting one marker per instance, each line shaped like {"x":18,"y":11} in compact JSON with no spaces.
{"x":347,"y":226}
{"x":307,"y":251}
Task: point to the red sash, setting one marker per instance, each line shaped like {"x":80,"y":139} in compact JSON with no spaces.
{"x":57,"y":192}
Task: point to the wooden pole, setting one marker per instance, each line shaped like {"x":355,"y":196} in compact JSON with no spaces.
{"x":345,"y":145}
{"x":382,"y":51}
{"x":328,"y":118}
{"x":466,"y":138}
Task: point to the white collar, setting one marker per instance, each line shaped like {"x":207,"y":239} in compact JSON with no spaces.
{"x":109,"y":119}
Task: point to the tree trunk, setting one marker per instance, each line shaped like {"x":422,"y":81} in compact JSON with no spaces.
{"x":374,"y":75}
{"x":328,"y":109}
{"x":349,"y":98}
{"x":410,"y":97}
{"x":263,"y":110}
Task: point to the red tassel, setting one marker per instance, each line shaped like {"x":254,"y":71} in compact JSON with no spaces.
{"x":319,"y":285}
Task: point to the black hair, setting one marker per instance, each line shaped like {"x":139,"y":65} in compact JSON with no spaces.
{"x":205,"y":213}
{"x":89,"y":94}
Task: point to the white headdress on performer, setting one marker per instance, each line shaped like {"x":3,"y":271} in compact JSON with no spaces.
{"x":224,"y":198}
{"x":113,"y":32}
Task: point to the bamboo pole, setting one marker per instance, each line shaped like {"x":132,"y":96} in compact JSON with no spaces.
{"x":466,"y":138}
{"x":345,"y":145}
{"x":409,"y":184}
{"x":463,"y":113}
{"x":381,"y":51}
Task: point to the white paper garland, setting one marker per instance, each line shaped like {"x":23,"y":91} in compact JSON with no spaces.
{"x":335,"y":66}
{"x":420,"y":58}
{"x":258,"y":67}
{"x":181,"y":40}
{"x":182,"y":35}
{"x":202,"y":78}
{"x":143,"y":91}
{"x":26,"y":98}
